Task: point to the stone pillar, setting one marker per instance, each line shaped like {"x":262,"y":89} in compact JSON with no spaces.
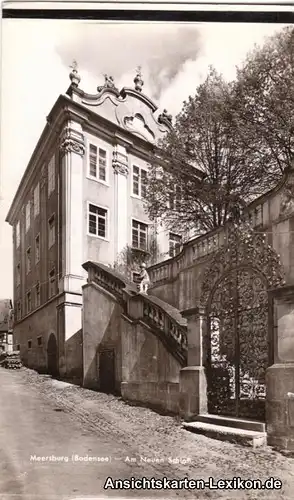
{"x":120,"y":166}
{"x":280,"y":375}
{"x":193,"y":390}
{"x":72,"y":220}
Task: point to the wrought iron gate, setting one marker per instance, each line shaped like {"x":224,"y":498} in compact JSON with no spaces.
{"x":236,"y":344}
{"x":237,"y":348}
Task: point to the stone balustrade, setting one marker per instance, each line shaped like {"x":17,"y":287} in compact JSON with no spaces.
{"x":200,"y":247}
{"x":167,"y":321}
{"x":156,"y":317}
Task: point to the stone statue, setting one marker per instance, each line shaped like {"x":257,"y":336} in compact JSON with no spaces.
{"x":287,"y":201}
{"x":144,"y":279}
{"x":109,"y":82}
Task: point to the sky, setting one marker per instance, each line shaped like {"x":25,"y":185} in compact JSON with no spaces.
{"x":36,"y":55}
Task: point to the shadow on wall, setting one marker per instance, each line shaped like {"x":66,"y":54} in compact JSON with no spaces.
{"x":101,"y":343}
{"x":74,"y":357}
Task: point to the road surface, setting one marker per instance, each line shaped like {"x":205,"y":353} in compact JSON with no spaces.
{"x":59,"y":441}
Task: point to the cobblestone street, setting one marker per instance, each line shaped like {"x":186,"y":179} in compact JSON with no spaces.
{"x":44,"y":417}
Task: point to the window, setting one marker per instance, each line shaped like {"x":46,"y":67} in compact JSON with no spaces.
{"x":139,"y":235}
{"x":29,"y":302}
{"x":37,"y":248}
{"x":38,"y":300}
{"x":52,"y":283}
{"x":18,"y":347}
{"x":51,"y":175}
{"x":18,"y":311}
{"x":37,"y":200}
{"x":51,"y":231}
{"x":97,"y":221}
{"x":17,"y":234}
{"x":175,"y":242}
{"x":97,"y":163}
{"x":39,"y":340}
{"x":29,"y":344}
{"x":29,"y":260}
{"x":175,"y":198}
{"x":28,"y":216}
{"x":17,"y":276}
{"x":139,"y":181}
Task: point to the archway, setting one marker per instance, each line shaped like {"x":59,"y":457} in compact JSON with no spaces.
{"x":52,"y":355}
{"x":236,"y":344}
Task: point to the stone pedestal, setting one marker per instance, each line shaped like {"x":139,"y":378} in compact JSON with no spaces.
{"x":193,"y":388}
{"x":280,"y":376}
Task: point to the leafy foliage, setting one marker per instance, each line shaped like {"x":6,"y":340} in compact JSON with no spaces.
{"x":239,"y":135}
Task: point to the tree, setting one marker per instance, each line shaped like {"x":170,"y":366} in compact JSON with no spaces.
{"x":129,"y":259}
{"x":239,"y":134}
{"x":264,"y":93}
{"x":203,"y":138}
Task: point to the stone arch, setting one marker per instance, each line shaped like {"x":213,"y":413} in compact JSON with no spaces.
{"x":236,"y":344}
{"x":243,"y":248}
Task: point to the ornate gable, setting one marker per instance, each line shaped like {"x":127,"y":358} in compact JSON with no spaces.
{"x":128,"y":108}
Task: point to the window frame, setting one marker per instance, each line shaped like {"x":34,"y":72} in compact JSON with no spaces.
{"x":37,"y":189}
{"x":17,"y":234}
{"x":51,"y":174}
{"x":18,"y":274}
{"x":28,"y":216}
{"x":50,"y":281}
{"x":39,"y":253}
{"x":52,"y":218}
{"x":38,"y":294}
{"x":106,"y":151}
{"x":144,"y":169}
{"x":107,"y":228}
{"x":28,"y":309}
{"x":133,"y":219}
{"x":170,"y":240}
{"x":28,"y":260}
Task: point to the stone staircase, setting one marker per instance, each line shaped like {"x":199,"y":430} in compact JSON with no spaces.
{"x":234,"y":430}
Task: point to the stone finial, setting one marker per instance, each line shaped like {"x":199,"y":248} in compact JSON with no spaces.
{"x":138,"y":81}
{"x":74,"y":76}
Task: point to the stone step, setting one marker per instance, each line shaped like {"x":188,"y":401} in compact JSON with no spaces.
{"x":232,"y":434}
{"x":246,"y":424}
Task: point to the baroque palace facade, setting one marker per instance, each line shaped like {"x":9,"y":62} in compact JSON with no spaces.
{"x":80,"y":199}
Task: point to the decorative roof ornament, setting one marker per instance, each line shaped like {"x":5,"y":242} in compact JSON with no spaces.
{"x":74,"y":76}
{"x":164,"y":117}
{"x":108,"y":83}
{"x":138,"y":81}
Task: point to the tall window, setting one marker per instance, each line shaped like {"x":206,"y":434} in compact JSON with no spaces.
{"x":17,"y":277}
{"x":175,"y":242}
{"x":51,"y":231}
{"x":97,"y":217}
{"x":51,"y":175}
{"x":37,"y":248}
{"x":175,"y":197}
{"x":17,"y":234}
{"x":29,"y":260}
{"x":28,"y":216}
{"x":139,"y":181}
{"x":38,"y":298}
{"x":37,"y":200}
{"x":97,"y":163}
{"x":52,"y":283}
{"x":29,"y":302}
{"x":139,"y":235}
{"x":18,"y":310}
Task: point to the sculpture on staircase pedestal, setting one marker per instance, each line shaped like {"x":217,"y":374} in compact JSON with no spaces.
{"x":144,"y":279}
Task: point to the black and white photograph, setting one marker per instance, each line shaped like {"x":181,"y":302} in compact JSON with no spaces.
{"x":147,"y":257}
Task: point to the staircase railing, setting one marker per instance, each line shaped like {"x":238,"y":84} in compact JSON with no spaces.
{"x":164,"y":320}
